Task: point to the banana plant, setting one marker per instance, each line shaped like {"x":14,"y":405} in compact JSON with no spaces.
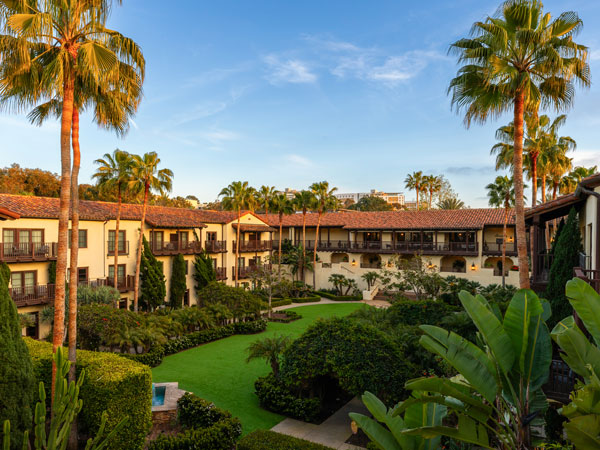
{"x":496,"y":396}
{"x":391,"y":436}
{"x":583,"y":357}
{"x":67,"y":405}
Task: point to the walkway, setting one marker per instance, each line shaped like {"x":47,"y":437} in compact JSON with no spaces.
{"x":332,"y":433}
{"x":326,"y":301}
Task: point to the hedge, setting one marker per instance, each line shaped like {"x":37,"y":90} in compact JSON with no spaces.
{"x":156,"y":354}
{"x":275,"y":396}
{"x":120,"y":387}
{"x":339,"y":298}
{"x":195,"y":412}
{"x":277,"y":302}
{"x":220,"y":436}
{"x":269,"y":440}
{"x":309,"y":299}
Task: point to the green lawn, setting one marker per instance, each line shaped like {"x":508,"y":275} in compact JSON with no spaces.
{"x":218,"y":371}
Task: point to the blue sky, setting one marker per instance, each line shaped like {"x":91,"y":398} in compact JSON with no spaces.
{"x":286,"y":93}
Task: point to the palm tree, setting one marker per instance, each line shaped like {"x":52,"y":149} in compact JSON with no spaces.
{"x":518,"y":60}
{"x":451,"y":203}
{"x":553,"y":158}
{"x":325,"y":200}
{"x":415,"y":181}
{"x":47,"y":46}
{"x":501,"y":194}
{"x":558,"y":165}
{"x":304,"y":201}
{"x":114,"y":173}
{"x":264,"y":197}
{"x":237,"y":197}
{"x":145,"y":177}
{"x":269,"y":349}
{"x":281,"y":205}
{"x":570,"y":181}
{"x":432,"y":184}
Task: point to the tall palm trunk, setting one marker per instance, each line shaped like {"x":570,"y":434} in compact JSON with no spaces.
{"x":116,"y":249}
{"x":138,"y":261}
{"x":534,"y":185}
{"x":430,"y":198}
{"x":519,"y":202}
{"x":58,"y":334}
{"x":417,"y":191}
{"x":73,"y":276}
{"x":506,"y":209}
{"x":280,"y":239}
{"x":303,"y":243}
{"x":237,"y":247}
{"x":543,"y":183}
{"x":314,"y":271}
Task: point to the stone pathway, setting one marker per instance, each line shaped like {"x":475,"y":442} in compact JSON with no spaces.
{"x":326,"y":301}
{"x":332,"y":433}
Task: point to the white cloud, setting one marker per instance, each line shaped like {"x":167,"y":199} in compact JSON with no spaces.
{"x":595,"y":55}
{"x":298,"y":161}
{"x":200,"y":111}
{"x":586,"y":158}
{"x":288,"y":70}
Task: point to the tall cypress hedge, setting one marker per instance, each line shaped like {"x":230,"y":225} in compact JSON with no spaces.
{"x":204,"y":271}
{"x":153,"y":285}
{"x":566,"y":257}
{"x":178,"y":284}
{"x":17,"y":381}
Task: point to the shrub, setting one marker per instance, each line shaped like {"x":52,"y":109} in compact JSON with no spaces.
{"x":453,"y":285}
{"x":97,"y":323}
{"x":17,"y":385}
{"x":251,"y":327}
{"x":153,"y":358}
{"x":278,"y":302}
{"x":338,"y":298}
{"x":309,"y":299}
{"x":240,"y":302}
{"x":275,"y":396}
{"x":178,"y":282}
{"x":361,"y":357}
{"x":417,"y":312}
{"x":220,"y":436}
{"x":152,"y":278}
{"x":113,"y":384}
{"x":204,"y":271}
{"x":269,"y":440}
{"x":195,"y":412}
{"x":104,"y":295}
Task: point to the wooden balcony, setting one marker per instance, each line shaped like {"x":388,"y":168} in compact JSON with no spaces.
{"x":110,"y":248}
{"x":246,"y":271}
{"x":123,"y":285}
{"x":39,"y":294}
{"x":215,"y":246}
{"x":221,"y":273}
{"x":254,"y":246}
{"x":175,"y":248}
{"x":28,"y":251}
{"x":495,"y":248}
{"x":591,"y":277}
{"x":561,"y":381}
{"x":402,"y":247}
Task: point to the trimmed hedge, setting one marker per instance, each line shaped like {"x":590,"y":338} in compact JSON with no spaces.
{"x":156,"y":354}
{"x":279,"y":302}
{"x":195,"y":412}
{"x":290,"y":316}
{"x":275,"y":396}
{"x":269,"y":440}
{"x":309,"y":299}
{"x":339,"y":298}
{"x":121,"y":388}
{"x":220,"y":436}
{"x":418,"y":312}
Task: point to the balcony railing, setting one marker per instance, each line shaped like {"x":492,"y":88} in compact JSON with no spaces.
{"x":495,"y":248}
{"x":373,"y":265}
{"x":215,"y":246}
{"x":561,"y":381}
{"x":174,"y":248}
{"x":28,"y":251}
{"x":38,"y":294}
{"x":246,"y":271}
{"x":254,"y":246}
{"x":432,"y":248}
{"x":592,"y":277}
{"x":221,"y":273}
{"x":123,"y":248}
{"x":123,"y":284}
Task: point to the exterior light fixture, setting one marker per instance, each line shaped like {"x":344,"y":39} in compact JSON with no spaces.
{"x":353,"y":262}
{"x":473,"y":266}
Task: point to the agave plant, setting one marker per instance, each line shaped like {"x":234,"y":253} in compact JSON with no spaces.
{"x":583,"y":357}
{"x":496,"y":396}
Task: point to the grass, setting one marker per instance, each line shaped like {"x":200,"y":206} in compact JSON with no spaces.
{"x":218,"y":371}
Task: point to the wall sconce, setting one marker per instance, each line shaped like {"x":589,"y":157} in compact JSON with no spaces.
{"x":473,"y":267}
{"x":430,"y":265}
{"x":353,"y":262}
{"x":511,"y":239}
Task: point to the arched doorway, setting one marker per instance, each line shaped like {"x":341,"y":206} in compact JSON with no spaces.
{"x":337,"y":258}
{"x":496,"y":264}
{"x":370,"y":261}
{"x":454,"y":264}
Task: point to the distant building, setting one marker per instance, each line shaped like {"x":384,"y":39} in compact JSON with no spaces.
{"x":396,"y":199}
{"x":195,"y":203}
{"x":290,"y":193}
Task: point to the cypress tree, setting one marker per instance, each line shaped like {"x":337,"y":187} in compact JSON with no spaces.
{"x":178,"y":281}
{"x":17,"y":382}
{"x":559,"y":229}
{"x":204,"y":271}
{"x":153,"y":286}
{"x":566,"y":257}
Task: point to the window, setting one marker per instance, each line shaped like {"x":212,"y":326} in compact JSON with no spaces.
{"x":183,"y":237}
{"x":186,"y":298}
{"x":23,"y":283}
{"x":122,"y":241}
{"x":214,"y":261}
{"x":83,"y":241}
{"x":120,"y":273}
{"x":187,"y":263}
{"x":123,"y":303}
{"x":22,"y":236}
{"x":82,"y":274}
{"x":157,"y":239}
{"x":241,"y":261}
{"x":211,"y":235}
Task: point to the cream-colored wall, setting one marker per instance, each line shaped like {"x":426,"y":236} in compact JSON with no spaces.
{"x":588,"y":216}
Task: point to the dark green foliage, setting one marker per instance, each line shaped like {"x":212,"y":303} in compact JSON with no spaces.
{"x":566,"y":257}
{"x":371,"y":203}
{"x":278,"y":302}
{"x":309,"y":299}
{"x":453,"y":285}
{"x":270,"y":440}
{"x":361,"y":357}
{"x":338,"y":298}
{"x":178,"y":284}
{"x":96,"y":323}
{"x":113,"y":384}
{"x":241,"y":303}
{"x":52,"y":272}
{"x":559,"y":229}
{"x":554,"y":426}
{"x":153,"y":286}
{"x":195,"y":412}
{"x":418,"y":312}
{"x":204,"y":271}
{"x":220,"y":436}
{"x":275,"y":396}
{"x":17,"y":382}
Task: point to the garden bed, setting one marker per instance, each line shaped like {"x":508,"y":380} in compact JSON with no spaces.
{"x":339,"y":298}
{"x":283,"y":316}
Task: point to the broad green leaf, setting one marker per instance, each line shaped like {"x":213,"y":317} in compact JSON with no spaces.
{"x":579,"y":353}
{"x":375,"y":406}
{"x":584,"y":431}
{"x":426,"y":414}
{"x":490,"y":328}
{"x":96,"y":59}
{"x":468,"y":359}
{"x":539,"y":354}
{"x":468,"y":431}
{"x":547,"y":309}
{"x":586,"y":301}
{"x":376,"y":432}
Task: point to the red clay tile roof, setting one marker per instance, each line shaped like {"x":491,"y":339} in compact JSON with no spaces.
{"x":48,"y":208}
{"x":563,"y":200}
{"x":253,"y":227}
{"x":6,"y":214}
{"x":210,"y":216}
{"x":436,"y":219}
